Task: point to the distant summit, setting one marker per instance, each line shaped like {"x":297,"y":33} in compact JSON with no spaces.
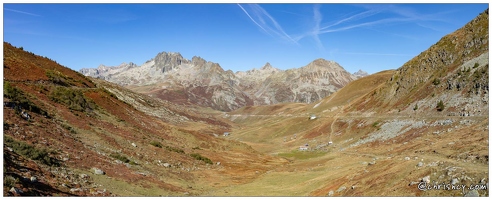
{"x":360,"y":74}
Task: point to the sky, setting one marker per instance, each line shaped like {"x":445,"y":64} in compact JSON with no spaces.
{"x":240,"y":37}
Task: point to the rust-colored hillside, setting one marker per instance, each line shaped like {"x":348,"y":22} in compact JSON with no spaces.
{"x":61,"y":131}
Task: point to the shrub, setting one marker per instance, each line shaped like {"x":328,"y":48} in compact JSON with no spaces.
{"x":119,"y":157}
{"x":440,"y":106}
{"x":415,"y":107}
{"x":476,"y":65}
{"x":30,"y":151}
{"x":9,"y":181}
{"x":73,"y":98}
{"x":59,"y":78}
{"x":156,"y":144}
{"x":109,"y":93}
{"x":200,"y":157}
{"x":177,"y":150}
{"x":436,"y":81}
{"x":18,"y":97}
{"x":375,"y":124}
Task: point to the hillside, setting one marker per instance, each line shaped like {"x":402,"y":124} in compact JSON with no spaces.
{"x":68,"y":135}
{"x":454,"y":70}
{"x":171,"y":77}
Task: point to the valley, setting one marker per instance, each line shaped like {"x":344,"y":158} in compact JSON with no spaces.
{"x":386,"y":134}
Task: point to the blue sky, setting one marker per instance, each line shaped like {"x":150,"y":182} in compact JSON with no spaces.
{"x":371,"y":37}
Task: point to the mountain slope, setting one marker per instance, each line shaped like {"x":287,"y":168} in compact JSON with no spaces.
{"x":457,"y":65}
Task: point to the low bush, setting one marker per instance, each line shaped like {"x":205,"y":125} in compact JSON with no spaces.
{"x":58,"y":78}
{"x":175,"y":149}
{"x":436,"y":81}
{"x":18,"y":98}
{"x":476,"y":65}
{"x":30,"y":151}
{"x":120,"y":157}
{"x":156,"y":144}
{"x":73,"y":98}
{"x":9,"y":181}
{"x":200,"y":157}
{"x":440,"y":106}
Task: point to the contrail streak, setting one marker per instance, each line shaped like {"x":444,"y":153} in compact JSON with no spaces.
{"x":22,"y":12}
{"x":252,"y":18}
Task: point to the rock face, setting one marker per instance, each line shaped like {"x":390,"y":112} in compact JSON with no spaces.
{"x":171,"y":77}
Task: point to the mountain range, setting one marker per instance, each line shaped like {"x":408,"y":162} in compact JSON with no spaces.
{"x":171,"y":77}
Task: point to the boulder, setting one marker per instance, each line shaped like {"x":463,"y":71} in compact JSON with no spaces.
{"x":75,"y":189}
{"x":98,"y":171}
{"x":83,"y":176}
{"x":342,"y":188}
{"x":426,"y":179}
{"x":15,"y":190}
{"x":413,"y":183}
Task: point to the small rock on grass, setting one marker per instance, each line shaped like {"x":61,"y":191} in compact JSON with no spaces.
{"x":98,"y":171}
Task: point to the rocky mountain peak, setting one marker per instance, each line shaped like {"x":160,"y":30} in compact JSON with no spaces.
{"x":321,"y":62}
{"x":169,"y":61}
{"x":267,"y":66}
{"x":360,"y":74}
{"x":198,"y":61}
{"x":323,"y":65}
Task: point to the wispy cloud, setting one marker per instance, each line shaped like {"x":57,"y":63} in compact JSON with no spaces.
{"x":361,"y":15}
{"x":266,"y":22}
{"x":431,"y":28}
{"x":22,"y":12}
{"x":370,"y":17}
{"x":366,"y":19}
